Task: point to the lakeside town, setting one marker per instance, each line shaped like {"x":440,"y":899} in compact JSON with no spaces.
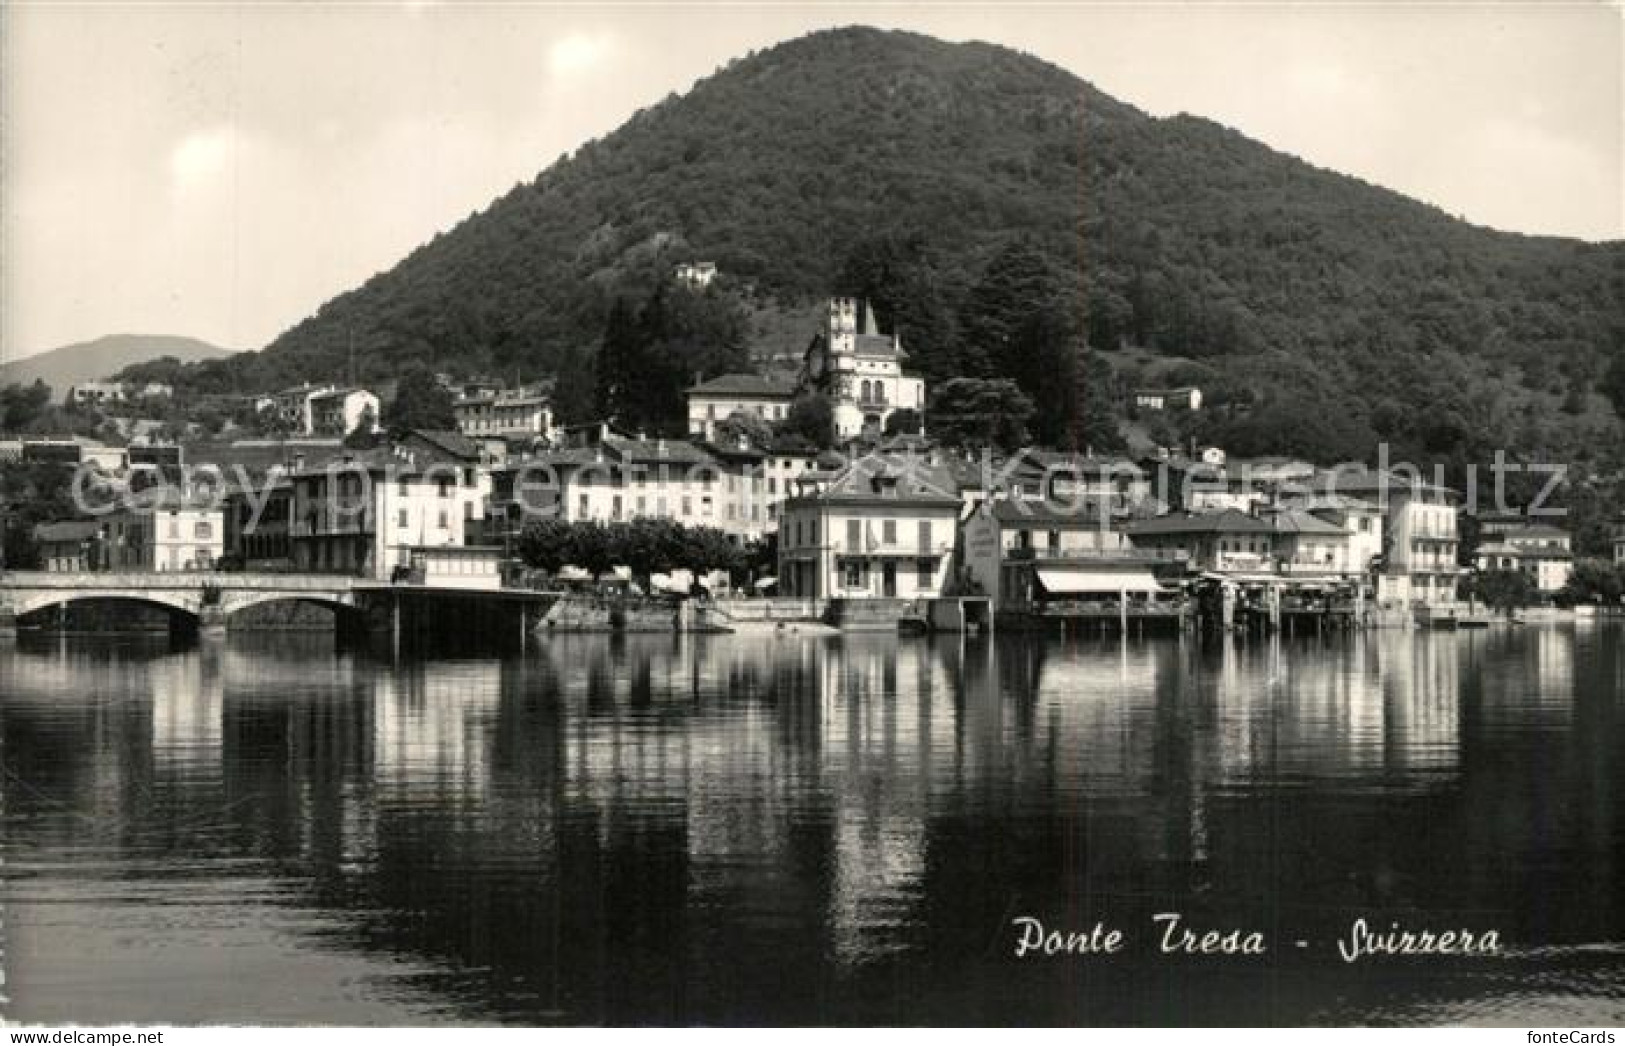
{"x":874,"y":525}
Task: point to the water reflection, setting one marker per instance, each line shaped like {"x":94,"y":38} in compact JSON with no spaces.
{"x":693,"y":829}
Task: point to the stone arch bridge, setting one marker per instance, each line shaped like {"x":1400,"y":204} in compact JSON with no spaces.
{"x":206,"y":599}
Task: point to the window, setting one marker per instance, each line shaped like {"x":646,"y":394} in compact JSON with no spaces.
{"x":174,"y":526}
{"x":615,"y":508}
{"x":445,"y":520}
{"x":401,"y":521}
{"x":445,"y":489}
{"x":854,"y":574}
{"x":642,"y":503}
{"x":688,"y":505}
{"x":582,"y":511}
{"x":924,"y":574}
{"x":925,"y":535}
{"x":888,"y":532}
{"x":854,"y":535}
{"x":401,"y":489}
{"x":202,"y":531}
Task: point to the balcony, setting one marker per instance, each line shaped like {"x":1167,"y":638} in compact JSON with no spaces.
{"x":1098,"y":555}
{"x":894,"y":550}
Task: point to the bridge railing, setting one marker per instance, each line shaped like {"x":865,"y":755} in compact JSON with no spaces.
{"x":173,"y":579}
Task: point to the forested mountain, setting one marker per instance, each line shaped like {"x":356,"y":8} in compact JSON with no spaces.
{"x":1322,"y":313}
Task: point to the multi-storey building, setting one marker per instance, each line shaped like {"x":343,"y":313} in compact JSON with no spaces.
{"x":860,"y":370}
{"x":338,"y":412}
{"x":883,"y":527}
{"x":712,"y":402}
{"x":1021,"y":551}
{"x":165,"y":529}
{"x":608,"y":477}
{"x":1360,"y":520}
{"x":1539,"y":550}
{"x":367,"y":515}
{"x":1418,"y":567}
{"x":520,"y":413}
{"x":1227,"y":540}
{"x":326,"y":409}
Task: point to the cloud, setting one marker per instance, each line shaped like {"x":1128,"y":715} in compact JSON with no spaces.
{"x":579,"y":53}
{"x":201,"y":156}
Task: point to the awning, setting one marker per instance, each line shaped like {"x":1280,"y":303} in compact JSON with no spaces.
{"x":1067,"y":582}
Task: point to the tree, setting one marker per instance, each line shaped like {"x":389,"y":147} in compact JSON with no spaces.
{"x":901,"y":277}
{"x":811,"y":418}
{"x":745,"y":425}
{"x":905,"y":421}
{"x":1613,"y":381}
{"x":22,"y":405}
{"x":971,"y":412}
{"x":575,"y":388}
{"x":648,"y":360}
{"x":619,"y":366}
{"x":1095,"y":419}
{"x":365,"y":433}
{"x":1594,"y":581}
{"x":1501,"y":589}
{"x":647,"y":546}
{"x":420,"y":403}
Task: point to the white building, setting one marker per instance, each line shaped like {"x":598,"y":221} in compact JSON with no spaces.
{"x":164,"y":530}
{"x":883,"y":527}
{"x":860,"y":370}
{"x":503,"y":413}
{"x":1361,"y":520}
{"x":368,"y":515}
{"x":1420,"y":535}
{"x":1185,"y":398}
{"x":616,"y":478}
{"x":696,"y":275}
{"x":337,"y":412}
{"x":714,"y":401}
{"x":1542,"y":552}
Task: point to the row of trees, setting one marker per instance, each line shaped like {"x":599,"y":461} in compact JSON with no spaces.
{"x":1593,"y":582}
{"x":647,"y":546}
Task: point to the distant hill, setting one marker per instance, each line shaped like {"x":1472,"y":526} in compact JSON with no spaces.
{"x":84,"y":361}
{"x":1194,"y":253}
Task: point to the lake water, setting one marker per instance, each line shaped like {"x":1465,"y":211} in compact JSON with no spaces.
{"x":731,"y":830}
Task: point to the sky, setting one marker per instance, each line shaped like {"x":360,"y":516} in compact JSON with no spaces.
{"x":221,"y":170}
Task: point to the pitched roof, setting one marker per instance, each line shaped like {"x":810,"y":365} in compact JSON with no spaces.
{"x":448,"y":441}
{"x":878,"y":345}
{"x":1297,"y":521}
{"x":1007,"y":510}
{"x":893,"y":478}
{"x":773,"y":387}
{"x":664,"y":451}
{"x":1229,"y":521}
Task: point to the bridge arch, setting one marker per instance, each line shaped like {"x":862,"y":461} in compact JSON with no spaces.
{"x":172,"y":602}
{"x":344,"y":608}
